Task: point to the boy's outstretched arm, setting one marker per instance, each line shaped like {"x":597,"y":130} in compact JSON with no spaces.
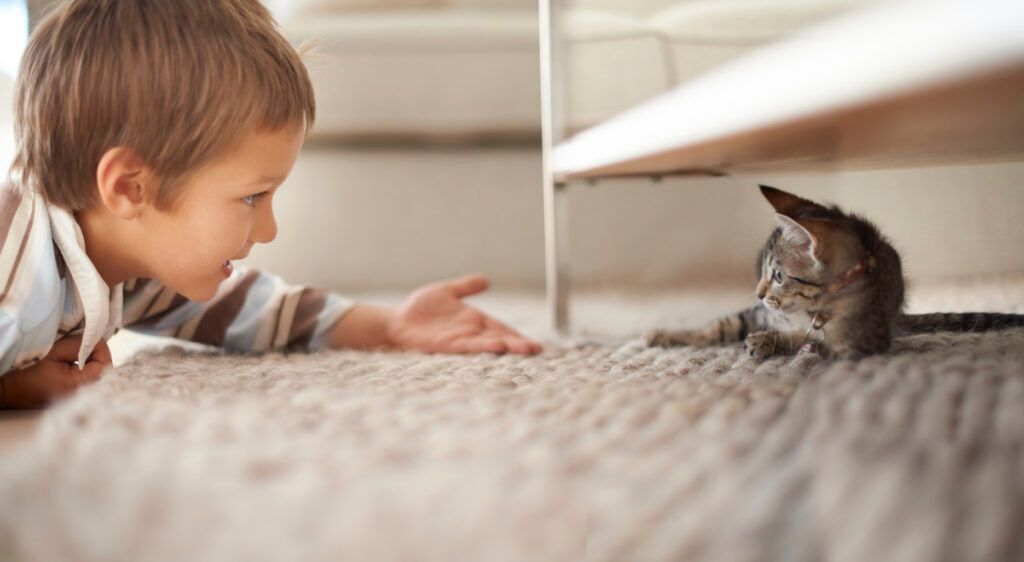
{"x":433,"y":319}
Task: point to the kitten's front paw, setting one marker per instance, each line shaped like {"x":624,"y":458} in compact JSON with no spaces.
{"x":809,"y":355}
{"x":761,"y":345}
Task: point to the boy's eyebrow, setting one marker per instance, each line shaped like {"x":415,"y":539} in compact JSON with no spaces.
{"x":267,"y":179}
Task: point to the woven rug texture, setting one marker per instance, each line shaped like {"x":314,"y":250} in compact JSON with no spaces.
{"x":599,"y":449}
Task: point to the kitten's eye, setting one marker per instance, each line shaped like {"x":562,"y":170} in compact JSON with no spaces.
{"x":252,"y":199}
{"x":777,"y":276}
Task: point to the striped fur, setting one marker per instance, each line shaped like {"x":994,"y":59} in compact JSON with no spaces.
{"x":824,"y":267}
{"x":958,"y":322}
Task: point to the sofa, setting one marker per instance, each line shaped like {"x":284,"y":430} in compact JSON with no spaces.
{"x":468,"y":69}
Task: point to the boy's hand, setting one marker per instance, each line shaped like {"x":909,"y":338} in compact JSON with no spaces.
{"x":54,"y":376}
{"x":435,"y":319}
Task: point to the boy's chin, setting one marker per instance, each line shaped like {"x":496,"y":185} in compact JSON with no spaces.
{"x":198,"y":292}
{"x":203,"y":297}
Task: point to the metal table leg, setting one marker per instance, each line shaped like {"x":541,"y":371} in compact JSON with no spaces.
{"x":552,"y":96}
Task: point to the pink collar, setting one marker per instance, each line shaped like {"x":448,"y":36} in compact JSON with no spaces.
{"x":866,"y":265}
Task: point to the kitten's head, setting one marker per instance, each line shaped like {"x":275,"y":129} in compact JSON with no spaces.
{"x":812,"y":246}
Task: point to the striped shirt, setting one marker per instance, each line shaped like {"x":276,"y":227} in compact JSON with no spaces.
{"x":49,"y":289}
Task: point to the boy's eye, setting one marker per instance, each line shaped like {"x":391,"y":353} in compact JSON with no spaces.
{"x":252,"y":199}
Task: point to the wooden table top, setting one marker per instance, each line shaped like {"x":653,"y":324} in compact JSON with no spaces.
{"x":901,"y":84}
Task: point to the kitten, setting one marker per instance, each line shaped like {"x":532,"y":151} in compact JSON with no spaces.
{"x":829,"y":283}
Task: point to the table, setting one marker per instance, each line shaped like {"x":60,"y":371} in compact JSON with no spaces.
{"x":900,"y":84}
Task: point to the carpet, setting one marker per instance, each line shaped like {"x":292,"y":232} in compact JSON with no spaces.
{"x":599,"y":449}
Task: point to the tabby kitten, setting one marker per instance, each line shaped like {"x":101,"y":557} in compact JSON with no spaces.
{"x":829,"y":283}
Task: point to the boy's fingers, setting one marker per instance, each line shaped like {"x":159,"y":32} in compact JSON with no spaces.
{"x":516,"y":342}
{"x":501,"y":327}
{"x":469,"y":285}
{"x":523,"y":347}
{"x":492,"y":345}
{"x":101,"y":353}
{"x":65,"y":349}
{"x":478,"y":345}
{"x":92,"y":372}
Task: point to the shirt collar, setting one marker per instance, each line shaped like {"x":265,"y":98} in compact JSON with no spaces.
{"x":101,"y":305}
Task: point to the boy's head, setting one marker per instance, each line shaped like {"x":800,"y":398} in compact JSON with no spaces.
{"x":177,"y":83}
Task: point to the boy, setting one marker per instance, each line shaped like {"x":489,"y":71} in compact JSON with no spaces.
{"x":152,"y":137}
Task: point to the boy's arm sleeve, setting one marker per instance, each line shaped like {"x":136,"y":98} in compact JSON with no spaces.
{"x":252,"y":311}
{"x":10,"y":341}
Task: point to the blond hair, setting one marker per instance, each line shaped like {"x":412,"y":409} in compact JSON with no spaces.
{"x":175,"y":81}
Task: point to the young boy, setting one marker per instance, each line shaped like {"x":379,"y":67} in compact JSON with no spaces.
{"x":152,"y":137}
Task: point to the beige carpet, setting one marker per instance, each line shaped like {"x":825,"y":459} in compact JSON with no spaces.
{"x":600,"y":450}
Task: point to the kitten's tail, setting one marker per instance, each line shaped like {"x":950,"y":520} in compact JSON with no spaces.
{"x":958,"y":322}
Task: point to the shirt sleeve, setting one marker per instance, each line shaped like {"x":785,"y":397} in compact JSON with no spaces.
{"x":10,"y":341}
{"x":252,"y":311}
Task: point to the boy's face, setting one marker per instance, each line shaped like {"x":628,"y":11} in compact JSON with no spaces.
{"x":224,"y":209}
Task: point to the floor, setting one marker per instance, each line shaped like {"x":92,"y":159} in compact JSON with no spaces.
{"x":601,"y":448}
{"x":527,"y":312}
{"x":16,"y":427}
{"x":524,"y":310}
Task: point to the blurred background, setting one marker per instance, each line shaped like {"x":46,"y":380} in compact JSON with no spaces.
{"x":425,"y":160}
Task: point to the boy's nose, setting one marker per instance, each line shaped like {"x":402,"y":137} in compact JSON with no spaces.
{"x":266,"y":230}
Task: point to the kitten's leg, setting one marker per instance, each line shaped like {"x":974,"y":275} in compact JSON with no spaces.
{"x":728,"y":329}
{"x":858,"y":349}
{"x":670,"y":338}
{"x":859,"y":337}
{"x":808,"y":357}
{"x":764,"y":344}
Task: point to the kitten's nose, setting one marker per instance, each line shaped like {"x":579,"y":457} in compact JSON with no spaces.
{"x":762,"y":290}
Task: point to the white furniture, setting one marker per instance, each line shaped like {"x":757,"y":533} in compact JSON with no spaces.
{"x":619,"y":53}
{"x":898,"y":84}
{"x":466,"y":70}
{"x":425,"y":70}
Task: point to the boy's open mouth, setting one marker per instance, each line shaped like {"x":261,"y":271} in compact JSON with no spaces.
{"x":226,"y":268}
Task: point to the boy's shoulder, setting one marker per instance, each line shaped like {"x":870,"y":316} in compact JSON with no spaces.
{"x":11,"y":198}
{"x":21,"y":212}
{"x":31,"y":278}
{"x":31,"y":268}
{"x":22,"y":221}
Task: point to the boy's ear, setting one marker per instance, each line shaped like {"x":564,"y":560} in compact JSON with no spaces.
{"x":126,"y":183}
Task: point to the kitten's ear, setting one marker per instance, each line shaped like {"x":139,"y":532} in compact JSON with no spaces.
{"x":786,"y":203}
{"x":811,"y":234}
